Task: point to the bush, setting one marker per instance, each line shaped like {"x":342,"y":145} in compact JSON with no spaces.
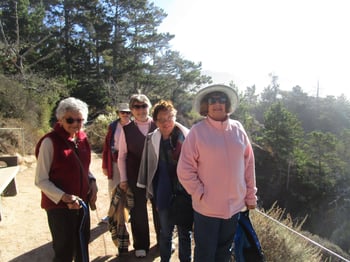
{"x":97,"y":130}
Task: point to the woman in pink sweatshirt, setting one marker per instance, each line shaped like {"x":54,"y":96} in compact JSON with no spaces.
{"x":216,"y":167}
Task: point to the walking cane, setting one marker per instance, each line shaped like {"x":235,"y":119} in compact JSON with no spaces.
{"x":84,"y":252}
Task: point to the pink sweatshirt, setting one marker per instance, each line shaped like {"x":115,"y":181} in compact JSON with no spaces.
{"x":217,"y":168}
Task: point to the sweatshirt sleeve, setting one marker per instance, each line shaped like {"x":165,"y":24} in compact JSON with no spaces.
{"x":188,"y":167}
{"x":249,"y":174}
{"x":122,"y":154}
{"x":43,"y":167}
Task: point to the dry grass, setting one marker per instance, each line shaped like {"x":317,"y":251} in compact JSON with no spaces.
{"x":281,"y":244}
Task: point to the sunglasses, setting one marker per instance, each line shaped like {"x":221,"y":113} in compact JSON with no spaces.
{"x":219,"y":99}
{"x":140,"y":106}
{"x":72,"y":120}
{"x":125,"y":112}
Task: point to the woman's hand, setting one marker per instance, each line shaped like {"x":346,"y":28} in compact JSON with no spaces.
{"x":71,"y":201}
{"x":93,"y":194}
{"x":251,"y":206}
{"x":123,"y":186}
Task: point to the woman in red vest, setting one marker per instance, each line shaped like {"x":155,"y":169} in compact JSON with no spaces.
{"x":62,"y":174}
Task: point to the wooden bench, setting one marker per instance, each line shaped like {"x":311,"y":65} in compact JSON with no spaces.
{"x":8,"y":177}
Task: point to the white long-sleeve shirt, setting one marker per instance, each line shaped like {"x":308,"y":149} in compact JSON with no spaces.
{"x":43,"y":166}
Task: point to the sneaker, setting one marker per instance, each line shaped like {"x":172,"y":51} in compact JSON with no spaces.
{"x":140,"y":253}
{"x":105,"y":220}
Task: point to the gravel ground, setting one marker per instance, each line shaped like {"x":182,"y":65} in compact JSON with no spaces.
{"x":24,"y":233}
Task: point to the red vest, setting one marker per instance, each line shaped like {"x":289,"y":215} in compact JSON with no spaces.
{"x":108,"y":157}
{"x":65,"y":170}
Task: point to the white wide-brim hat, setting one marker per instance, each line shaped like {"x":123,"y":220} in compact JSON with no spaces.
{"x":123,"y":107}
{"x":231,"y":94}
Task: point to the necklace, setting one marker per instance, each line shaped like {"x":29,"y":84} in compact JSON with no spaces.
{"x":76,"y":142}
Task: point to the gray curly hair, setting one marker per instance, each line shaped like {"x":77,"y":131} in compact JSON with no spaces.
{"x":72,"y":104}
{"x":141,"y":98}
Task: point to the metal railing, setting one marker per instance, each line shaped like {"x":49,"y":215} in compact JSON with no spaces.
{"x":302,"y":236}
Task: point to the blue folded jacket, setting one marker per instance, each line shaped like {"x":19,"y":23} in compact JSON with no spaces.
{"x":247,"y":246}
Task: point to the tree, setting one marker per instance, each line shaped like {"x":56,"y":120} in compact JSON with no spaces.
{"x":248,"y":102}
{"x":268,"y":97}
{"x":137,"y":22}
{"x":282,"y":133}
{"x":22,"y":32}
{"x":270,"y":93}
{"x":321,"y":149}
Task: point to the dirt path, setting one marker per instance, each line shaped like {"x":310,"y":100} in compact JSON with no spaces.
{"x":24,"y":233}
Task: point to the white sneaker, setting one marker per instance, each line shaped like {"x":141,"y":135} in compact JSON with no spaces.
{"x":105,"y":219}
{"x":140,"y":253}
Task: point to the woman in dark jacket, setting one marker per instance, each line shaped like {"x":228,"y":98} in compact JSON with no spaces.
{"x":158,"y":176}
{"x":131,"y":144}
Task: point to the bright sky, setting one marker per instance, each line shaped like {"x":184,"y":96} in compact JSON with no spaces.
{"x":303,"y":42}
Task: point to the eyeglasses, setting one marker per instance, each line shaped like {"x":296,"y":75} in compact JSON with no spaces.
{"x":140,"y":106}
{"x":219,"y":99}
{"x":164,"y":120}
{"x":125,"y":112}
{"x":72,"y":120}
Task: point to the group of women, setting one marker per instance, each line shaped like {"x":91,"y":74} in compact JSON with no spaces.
{"x":213,"y":162}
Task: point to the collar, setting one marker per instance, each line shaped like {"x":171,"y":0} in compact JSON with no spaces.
{"x":148,"y":122}
{"x":80,"y":135}
{"x":156,"y":136}
{"x":223,"y":125}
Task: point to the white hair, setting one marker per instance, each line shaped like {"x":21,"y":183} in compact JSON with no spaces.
{"x":72,"y":104}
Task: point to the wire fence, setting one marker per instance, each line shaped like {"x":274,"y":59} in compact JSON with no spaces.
{"x":304,"y":237}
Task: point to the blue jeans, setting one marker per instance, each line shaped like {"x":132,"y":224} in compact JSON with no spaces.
{"x":166,"y":234}
{"x":213,"y":238}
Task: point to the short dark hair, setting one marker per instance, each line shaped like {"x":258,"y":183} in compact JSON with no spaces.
{"x":163,"y":105}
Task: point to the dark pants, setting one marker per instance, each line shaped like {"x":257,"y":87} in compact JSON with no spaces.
{"x":139,"y":219}
{"x":64,"y":226}
{"x":166,"y":237}
{"x":156,"y":220}
{"x":213,"y":238}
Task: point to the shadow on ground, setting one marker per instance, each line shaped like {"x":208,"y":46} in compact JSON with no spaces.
{"x":130,"y":257}
{"x":38,"y":254}
{"x":43,"y":252}
{"x":97,"y":231}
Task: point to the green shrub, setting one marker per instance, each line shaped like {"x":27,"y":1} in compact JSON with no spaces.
{"x":97,"y":130}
